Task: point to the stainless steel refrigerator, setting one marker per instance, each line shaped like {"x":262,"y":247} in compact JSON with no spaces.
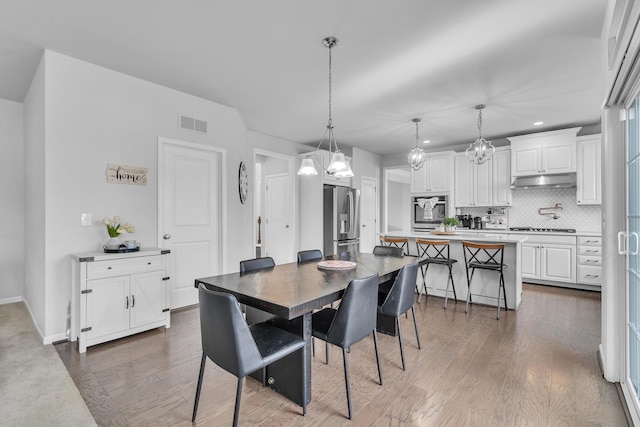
{"x":341,"y":220}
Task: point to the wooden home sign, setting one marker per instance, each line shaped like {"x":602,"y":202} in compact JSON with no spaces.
{"x":122,"y":174}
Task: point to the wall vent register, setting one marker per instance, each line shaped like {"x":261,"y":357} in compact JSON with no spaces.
{"x":543,"y":230}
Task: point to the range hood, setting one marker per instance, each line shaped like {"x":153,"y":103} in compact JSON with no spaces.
{"x":562,"y":180}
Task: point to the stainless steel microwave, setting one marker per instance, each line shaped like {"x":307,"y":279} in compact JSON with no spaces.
{"x":427,"y":212}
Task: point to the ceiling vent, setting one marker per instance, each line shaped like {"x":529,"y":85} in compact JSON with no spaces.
{"x":194,"y":125}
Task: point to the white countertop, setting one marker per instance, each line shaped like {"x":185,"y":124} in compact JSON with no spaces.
{"x":469,"y":235}
{"x":497,"y":230}
{"x":102,"y":256}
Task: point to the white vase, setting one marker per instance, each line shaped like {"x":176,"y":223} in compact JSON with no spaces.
{"x":449,"y":228}
{"x":113,"y":244}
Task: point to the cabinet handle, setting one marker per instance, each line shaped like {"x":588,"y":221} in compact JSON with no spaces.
{"x":108,"y":268}
{"x":133,"y":301}
{"x":149,"y":263}
{"x":592,"y":275}
{"x":127,"y":306}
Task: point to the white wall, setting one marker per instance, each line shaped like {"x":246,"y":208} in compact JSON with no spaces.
{"x":34,"y":198}
{"x":12,"y":206}
{"x":96,"y":116}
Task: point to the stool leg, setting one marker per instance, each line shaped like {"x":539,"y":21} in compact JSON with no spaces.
{"x":466,"y":308}
{"x":499,"y":292}
{"x":415,"y":325}
{"x":453,"y":285}
{"x":446,"y":292}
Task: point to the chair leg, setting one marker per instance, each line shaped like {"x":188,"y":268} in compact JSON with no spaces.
{"x":446,"y":292}
{"x":400,"y":340}
{"x":415,"y":325}
{"x":375,"y":344}
{"x":504,"y":292}
{"x":236,"y":411}
{"x":199,"y":386}
{"x":466,"y":308}
{"x":424,"y":288}
{"x":346,"y":379}
{"x":499,"y":292}
{"x":453,"y":285}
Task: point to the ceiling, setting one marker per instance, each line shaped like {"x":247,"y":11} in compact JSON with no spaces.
{"x":528,"y":60}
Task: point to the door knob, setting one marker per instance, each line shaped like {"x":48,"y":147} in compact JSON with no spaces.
{"x":286,"y":226}
{"x":166,"y":236}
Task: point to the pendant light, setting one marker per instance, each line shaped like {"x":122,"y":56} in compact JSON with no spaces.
{"x":416,"y":156}
{"x":480,"y":150}
{"x":339,"y":165}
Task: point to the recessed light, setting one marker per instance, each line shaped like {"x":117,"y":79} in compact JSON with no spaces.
{"x":426,"y":141}
{"x":538,"y":123}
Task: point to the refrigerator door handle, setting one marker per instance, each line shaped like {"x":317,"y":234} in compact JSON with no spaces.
{"x":350,"y":198}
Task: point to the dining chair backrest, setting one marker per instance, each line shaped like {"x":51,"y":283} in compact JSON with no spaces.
{"x":400,"y":298}
{"x":256,"y":264}
{"x":226,"y":338}
{"x":356,"y":316}
{"x":309,"y":255}
{"x":388,"y":251}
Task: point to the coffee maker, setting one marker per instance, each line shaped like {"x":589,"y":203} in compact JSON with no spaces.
{"x":465,"y":220}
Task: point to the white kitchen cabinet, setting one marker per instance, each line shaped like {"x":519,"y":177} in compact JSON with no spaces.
{"x":501,"y":170}
{"x":590,"y":260}
{"x":544,"y":153}
{"x":589,"y":170}
{"x":115,"y":295}
{"x":549,"y":258}
{"x":473,"y":183}
{"x":435,"y":175}
{"x":487,"y":184}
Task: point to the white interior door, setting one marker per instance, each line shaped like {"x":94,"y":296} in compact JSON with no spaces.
{"x":368,"y":214}
{"x":189,"y":193}
{"x":278,"y":241}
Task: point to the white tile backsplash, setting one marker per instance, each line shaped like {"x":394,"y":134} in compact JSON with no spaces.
{"x":524,"y":211}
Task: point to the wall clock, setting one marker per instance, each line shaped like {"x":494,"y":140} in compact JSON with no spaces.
{"x":243,"y":182}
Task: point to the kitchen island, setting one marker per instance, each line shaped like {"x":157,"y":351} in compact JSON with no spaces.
{"x":485,"y":283}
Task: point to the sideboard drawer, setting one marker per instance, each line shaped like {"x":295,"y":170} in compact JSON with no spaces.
{"x":589,"y":274}
{"x":100,"y":269}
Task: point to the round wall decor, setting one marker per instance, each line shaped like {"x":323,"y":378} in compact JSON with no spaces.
{"x":243,"y":182}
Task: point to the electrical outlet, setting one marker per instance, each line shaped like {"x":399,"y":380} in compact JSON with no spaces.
{"x":85,"y":219}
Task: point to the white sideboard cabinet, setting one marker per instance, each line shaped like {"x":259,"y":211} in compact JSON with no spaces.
{"x":120,"y":294}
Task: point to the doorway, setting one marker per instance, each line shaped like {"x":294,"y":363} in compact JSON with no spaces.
{"x":190,"y":218}
{"x":274,"y":224}
{"x":368,"y":214}
{"x":397,"y":188}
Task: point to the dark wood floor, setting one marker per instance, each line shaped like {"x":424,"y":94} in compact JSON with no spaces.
{"x":536,"y":367}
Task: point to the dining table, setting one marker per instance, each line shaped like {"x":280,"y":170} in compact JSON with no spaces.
{"x":286,"y":295}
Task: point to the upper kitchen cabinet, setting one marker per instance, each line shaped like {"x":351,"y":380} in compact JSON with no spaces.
{"x":589,"y":174}
{"x":501,"y":170}
{"x":435,"y":175}
{"x":544,"y":153}
{"x":487,"y":184}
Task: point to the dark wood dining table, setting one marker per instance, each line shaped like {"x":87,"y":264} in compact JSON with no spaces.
{"x":288,"y":294}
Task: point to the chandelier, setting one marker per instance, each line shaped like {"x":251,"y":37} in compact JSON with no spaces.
{"x":416,"y":156}
{"x":480,"y":150}
{"x":339,"y":165}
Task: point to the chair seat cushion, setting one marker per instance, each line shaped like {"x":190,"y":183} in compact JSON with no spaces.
{"x":321,"y":322}
{"x":273,"y":342}
{"x":487,"y":266}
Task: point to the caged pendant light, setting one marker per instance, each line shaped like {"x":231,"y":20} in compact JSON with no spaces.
{"x":480,"y":150}
{"x":339,"y":165}
{"x":416,"y":156}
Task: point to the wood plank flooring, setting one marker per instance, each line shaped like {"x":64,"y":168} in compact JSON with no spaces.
{"x":536,"y":367}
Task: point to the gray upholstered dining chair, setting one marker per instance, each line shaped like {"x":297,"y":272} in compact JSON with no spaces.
{"x":399,"y":300}
{"x":388,"y":251}
{"x":309,"y":255}
{"x":353,"y":321}
{"x":256,"y":264}
{"x":236,"y":347}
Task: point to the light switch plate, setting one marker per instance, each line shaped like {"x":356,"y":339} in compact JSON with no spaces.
{"x":85,"y":219}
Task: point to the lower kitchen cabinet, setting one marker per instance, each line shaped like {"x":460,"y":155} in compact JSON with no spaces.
{"x":590,"y":260}
{"x":115,"y":295}
{"x":549,"y":258}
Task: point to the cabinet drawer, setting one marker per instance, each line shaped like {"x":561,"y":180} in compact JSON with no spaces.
{"x":588,"y":274}
{"x":589,"y":260}
{"x":546,"y":239}
{"x":99,"y":269}
{"x":589,"y":241}
{"x":590,"y":250}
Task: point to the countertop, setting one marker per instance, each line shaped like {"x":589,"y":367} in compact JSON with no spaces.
{"x":469,"y":235}
{"x":500,"y":231}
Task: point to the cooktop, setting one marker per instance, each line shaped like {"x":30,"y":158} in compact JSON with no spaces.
{"x":543,"y":230}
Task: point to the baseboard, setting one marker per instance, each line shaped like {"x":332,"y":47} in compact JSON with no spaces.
{"x":54,"y":338}
{"x":10,"y":300}
{"x":33,"y":320}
